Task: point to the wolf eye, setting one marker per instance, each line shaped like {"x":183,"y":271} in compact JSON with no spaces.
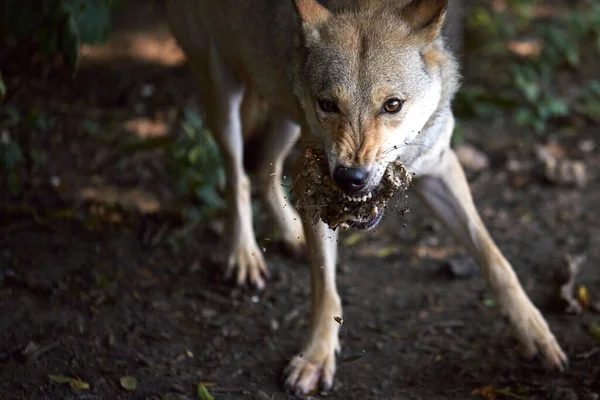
{"x":392,"y":106}
{"x":327,"y":106}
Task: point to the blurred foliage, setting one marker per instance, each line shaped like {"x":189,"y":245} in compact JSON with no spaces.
{"x":18,"y":160}
{"x":195,"y":163}
{"x":58,"y":26}
{"x":524,"y":57}
{"x":11,"y":155}
{"x":55,"y":26}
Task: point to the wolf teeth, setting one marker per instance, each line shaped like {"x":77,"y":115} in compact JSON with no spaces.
{"x":358,"y":199}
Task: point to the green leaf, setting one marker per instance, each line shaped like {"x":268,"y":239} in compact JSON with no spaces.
{"x":128,"y":383}
{"x":203,"y":393}
{"x":91,"y":18}
{"x":572,"y":55}
{"x":11,"y":156}
{"x":386,"y":251}
{"x":71,"y":44}
{"x":60,"y":379}
{"x":592,"y":109}
{"x":78,"y":384}
{"x":523,"y":116}
{"x":558,"y":107}
{"x":193,"y":119}
{"x":353,"y":239}
{"x":538,"y":126}
{"x":594,"y":330}
{"x":75,"y":383}
{"x":531,"y":91}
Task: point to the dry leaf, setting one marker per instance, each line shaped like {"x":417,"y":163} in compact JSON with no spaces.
{"x":352,"y":358}
{"x":487,"y":392}
{"x":583,"y":296}
{"x":75,"y":383}
{"x":128,"y":383}
{"x":78,"y":384}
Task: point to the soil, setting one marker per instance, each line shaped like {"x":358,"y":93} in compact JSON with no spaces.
{"x":93,"y":287}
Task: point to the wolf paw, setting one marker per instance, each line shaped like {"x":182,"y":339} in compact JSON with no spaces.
{"x":535,"y":336}
{"x":310,"y":371}
{"x":248,"y":264}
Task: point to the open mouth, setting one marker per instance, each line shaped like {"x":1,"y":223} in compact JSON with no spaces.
{"x":367,"y":224}
{"x":325,"y":201}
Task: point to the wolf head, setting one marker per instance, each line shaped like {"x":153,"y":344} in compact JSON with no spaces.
{"x":369,"y":77}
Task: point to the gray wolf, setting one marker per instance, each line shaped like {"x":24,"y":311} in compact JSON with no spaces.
{"x":367,"y":82}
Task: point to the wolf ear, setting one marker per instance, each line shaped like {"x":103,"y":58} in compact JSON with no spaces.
{"x":311,"y":12}
{"x":425,"y":16}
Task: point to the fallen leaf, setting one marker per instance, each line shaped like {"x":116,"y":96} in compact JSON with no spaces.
{"x":583,"y":296}
{"x":489,"y":302}
{"x":60,"y":379}
{"x":75,"y":383}
{"x":203,"y":393}
{"x":352,"y":358}
{"x":128,"y":383}
{"x":386,"y":251}
{"x":594,"y":330}
{"x":353,"y":239}
{"x":78,"y":384}
{"x":508,"y":393}
{"x":487,"y":392}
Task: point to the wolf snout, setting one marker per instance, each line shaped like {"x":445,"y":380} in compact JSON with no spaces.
{"x":351,"y":179}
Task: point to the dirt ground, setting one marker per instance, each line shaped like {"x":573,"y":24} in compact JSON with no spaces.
{"x":91,"y":288}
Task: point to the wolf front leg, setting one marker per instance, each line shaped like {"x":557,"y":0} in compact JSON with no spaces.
{"x":316,"y":363}
{"x":281,"y":136}
{"x":446,"y":191}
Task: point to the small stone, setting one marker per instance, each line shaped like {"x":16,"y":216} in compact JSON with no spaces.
{"x":148,"y":90}
{"x":274,"y":324}
{"x":208,"y":313}
{"x":587,"y":145}
{"x":472,"y":158}
{"x":461,"y":268}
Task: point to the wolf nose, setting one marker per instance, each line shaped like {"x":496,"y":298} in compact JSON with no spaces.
{"x":350,"y":179}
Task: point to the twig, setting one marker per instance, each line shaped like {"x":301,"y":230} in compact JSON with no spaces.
{"x":589,"y":353}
